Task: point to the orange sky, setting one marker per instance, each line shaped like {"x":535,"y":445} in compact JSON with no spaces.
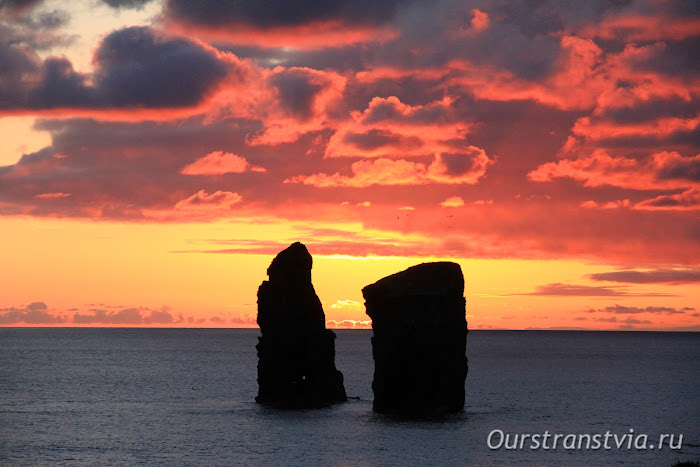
{"x":152,"y":162}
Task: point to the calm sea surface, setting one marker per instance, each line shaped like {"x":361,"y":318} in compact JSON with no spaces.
{"x":186,"y":397}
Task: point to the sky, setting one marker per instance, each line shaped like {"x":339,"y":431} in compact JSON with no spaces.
{"x":156,"y":155}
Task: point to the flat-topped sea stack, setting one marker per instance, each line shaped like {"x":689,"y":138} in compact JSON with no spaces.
{"x":296,"y":353}
{"x":420,"y":340}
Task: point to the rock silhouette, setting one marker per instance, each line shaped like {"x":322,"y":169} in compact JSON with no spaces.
{"x":420,"y":339}
{"x":296,"y":353}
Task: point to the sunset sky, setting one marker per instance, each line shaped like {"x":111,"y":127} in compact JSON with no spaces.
{"x":156,"y":155}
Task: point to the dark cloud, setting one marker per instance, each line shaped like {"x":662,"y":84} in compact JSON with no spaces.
{"x":34,"y":313}
{"x":678,"y":58}
{"x":60,"y":86}
{"x":45,"y":20}
{"x":296,"y":91}
{"x":18,"y":6}
{"x":392,"y":109}
{"x":502,"y":44}
{"x":459,"y":164}
{"x":655,"y":276}
{"x":134,"y":67}
{"x":626,"y":310}
{"x":541,"y":17}
{"x":16,"y":64}
{"x":374,"y":139}
{"x":654,"y":109}
{"x":282,"y":12}
{"x":137,"y":4}
{"x":352,"y":57}
{"x":20,"y":37}
{"x":137,"y":68}
{"x":681,"y":169}
{"x":32,"y":31}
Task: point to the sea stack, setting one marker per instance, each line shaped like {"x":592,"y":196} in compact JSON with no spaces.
{"x":296,"y":353}
{"x":420,"y":340}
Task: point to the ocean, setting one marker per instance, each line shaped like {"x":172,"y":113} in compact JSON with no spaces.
{"x":186,"y":397}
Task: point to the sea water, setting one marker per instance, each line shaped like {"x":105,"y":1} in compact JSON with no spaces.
{"x":186,"y":397}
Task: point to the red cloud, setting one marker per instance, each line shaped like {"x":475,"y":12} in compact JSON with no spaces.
{"x":56,"y":195}
{"x":631,"y":27}
{"x":621,"y":203}
{"x":606,"y":129}
{"x":686,"y":201}
{"x":562,"y":290}
{"x":583,"y":76}
{"x":310,"y":36}
{"x":664,"y":170}
{"x":578,"y":78}
{"x":453,"y":202}
{"x":480,"y":21}
{"x":299,"y":101}
{"x":402,"y":172}
{"x":204,"y":206}
{"x":219,"y":162}
{"x":390,"y":128}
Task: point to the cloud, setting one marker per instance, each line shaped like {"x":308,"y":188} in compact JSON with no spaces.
{"x":17,"y":6}
{"x":284,"y":12}
{"x":480,"y":21}
{"x":384,"y":108}
{"x":244,"y":321}
{"x":137,"y":4}
{"x":134,"y":67}
{"x":453,"y":202}
{"x":203,"y":200}
{"x":57,"y":195}
{"x":126,"y":316}
{"x":559,"y":289}
{"x":343,"y":304}
{"x":663,"y":170}
{"x":465,"y":168}
{"x":292,"y":102}
{"x":34,"y":313}
{"x":218,"y":163}
{"x":299,"y":89}
{"x":685,"y":201}
{"x":662,"y":128}
{"x":619,"y":309}
{"x":390,"y":128}
{"x":349,"y":324}
{"x":637,"y":27}
{"x":653,"y":276}
{"x":285,"y":23}
{"x":618,"y":204}
{"x":614,"y":319}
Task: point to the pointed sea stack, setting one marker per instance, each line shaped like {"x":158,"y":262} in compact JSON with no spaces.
{"x":420,"y":340}
{"x":296,"y":353}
